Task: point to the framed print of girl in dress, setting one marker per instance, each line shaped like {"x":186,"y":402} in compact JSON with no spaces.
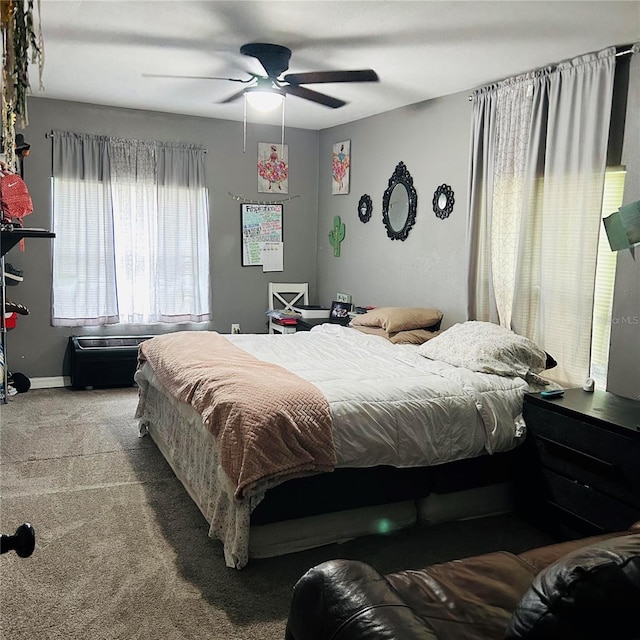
{"x":340,"y":165}
{"x":273,"y":168}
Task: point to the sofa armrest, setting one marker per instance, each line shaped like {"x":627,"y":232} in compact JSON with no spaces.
{"x":590,"y":593}
{"x":346,"y":599}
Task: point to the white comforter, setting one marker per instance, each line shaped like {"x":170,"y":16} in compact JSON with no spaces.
{"x":391,"y":406}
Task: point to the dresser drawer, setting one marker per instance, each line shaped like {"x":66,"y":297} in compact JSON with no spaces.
{"x":593,"y":471}
{"x":588,"y":504}
{"x":606,"y":461}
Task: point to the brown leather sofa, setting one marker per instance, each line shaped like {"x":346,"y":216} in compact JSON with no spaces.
{"x":577,"y":590}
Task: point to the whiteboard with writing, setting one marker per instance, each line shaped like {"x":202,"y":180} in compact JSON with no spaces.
{"x":260,"y":223}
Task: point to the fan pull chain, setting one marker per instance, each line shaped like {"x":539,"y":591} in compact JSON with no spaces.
{"x":244,"y":126}
{"x":284,"y":100}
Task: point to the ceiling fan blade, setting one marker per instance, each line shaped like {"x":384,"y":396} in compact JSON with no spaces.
{"x":164,"y":75}
{"x":313,"y":77}
{"x":233,"y":97}
{"x":314,"y":96}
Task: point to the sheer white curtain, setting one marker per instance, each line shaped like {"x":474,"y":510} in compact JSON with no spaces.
{"x":133,"y":189}
{"x":84,"y":285}
{"x":131,"y":218}
{"x":539,"y":149}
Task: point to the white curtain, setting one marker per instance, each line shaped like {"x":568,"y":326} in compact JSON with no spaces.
{"x":538,"y":161}
{"x":131,"y":224}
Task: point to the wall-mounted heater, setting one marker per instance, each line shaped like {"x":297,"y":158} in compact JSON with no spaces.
{"x":108,"y":361}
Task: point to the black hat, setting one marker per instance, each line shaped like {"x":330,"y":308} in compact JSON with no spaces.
{"x":21,"y":144}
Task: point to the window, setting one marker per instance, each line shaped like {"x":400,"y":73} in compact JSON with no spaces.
{"x":605,"y":271}
{"x":538,"y":164}
{"x":131,"y":224}
{"x":605,"y":280}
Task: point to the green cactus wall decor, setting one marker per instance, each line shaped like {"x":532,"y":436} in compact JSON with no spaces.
{"x":336,"y":236}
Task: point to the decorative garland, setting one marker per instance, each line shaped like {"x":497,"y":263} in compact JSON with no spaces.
{"x":254,"y":201}
{"x":22,"y":43}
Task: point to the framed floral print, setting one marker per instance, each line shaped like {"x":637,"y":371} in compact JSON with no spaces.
{"x":340,"y":166}
{"x":273,"y":168}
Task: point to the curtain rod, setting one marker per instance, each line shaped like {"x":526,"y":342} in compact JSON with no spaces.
{"x":51,"y":134}
{"x":634,"y":48}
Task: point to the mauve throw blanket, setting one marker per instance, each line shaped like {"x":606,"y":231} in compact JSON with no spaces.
{"x":269,"y":424}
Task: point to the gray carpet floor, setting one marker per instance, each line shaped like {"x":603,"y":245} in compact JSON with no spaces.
{"x":122,"y":552}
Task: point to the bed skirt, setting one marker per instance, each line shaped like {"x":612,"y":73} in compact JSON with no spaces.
{"x":190,"y":450}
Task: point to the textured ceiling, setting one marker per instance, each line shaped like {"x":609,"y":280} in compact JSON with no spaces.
{"x":97,"y":51}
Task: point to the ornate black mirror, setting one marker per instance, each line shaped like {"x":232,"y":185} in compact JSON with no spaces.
{"x":443,"y":201}
{"x":365,"y":207}
{"x":399,"y":204}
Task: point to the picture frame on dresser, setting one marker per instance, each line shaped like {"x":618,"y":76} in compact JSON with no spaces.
{"x":339,"y":310}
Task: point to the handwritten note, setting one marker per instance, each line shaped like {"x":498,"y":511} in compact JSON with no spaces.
{"x":273,"y":256}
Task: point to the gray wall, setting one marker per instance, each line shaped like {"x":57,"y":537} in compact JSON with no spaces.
{"x":428,"y":269}
{"x":624,"y":356}
{"x":239,"y":294}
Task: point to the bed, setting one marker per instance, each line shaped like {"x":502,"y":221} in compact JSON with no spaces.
{"x":373,"y":429}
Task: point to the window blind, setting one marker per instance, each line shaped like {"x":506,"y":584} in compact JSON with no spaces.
{"x":605,"y":280}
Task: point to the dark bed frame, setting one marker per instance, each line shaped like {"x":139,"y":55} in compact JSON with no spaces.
{"x":351,"y":488}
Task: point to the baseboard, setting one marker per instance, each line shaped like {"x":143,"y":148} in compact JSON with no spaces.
{"x":50,"y":383}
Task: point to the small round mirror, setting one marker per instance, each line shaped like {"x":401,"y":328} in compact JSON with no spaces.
{"x":443,"y":201}
{"x":365,"y":207}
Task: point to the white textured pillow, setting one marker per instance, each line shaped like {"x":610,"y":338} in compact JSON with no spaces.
{"x":487,"y":348}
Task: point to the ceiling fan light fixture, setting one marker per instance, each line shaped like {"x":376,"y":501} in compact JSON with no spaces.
{"x":264,"y":99}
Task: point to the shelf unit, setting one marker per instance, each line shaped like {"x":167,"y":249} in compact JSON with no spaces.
{"x":11,"y":236}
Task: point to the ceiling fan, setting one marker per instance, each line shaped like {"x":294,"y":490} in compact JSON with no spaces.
{"x":274,"y":59}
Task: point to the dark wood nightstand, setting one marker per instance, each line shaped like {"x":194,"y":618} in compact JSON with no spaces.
{"x":581,"y":463}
